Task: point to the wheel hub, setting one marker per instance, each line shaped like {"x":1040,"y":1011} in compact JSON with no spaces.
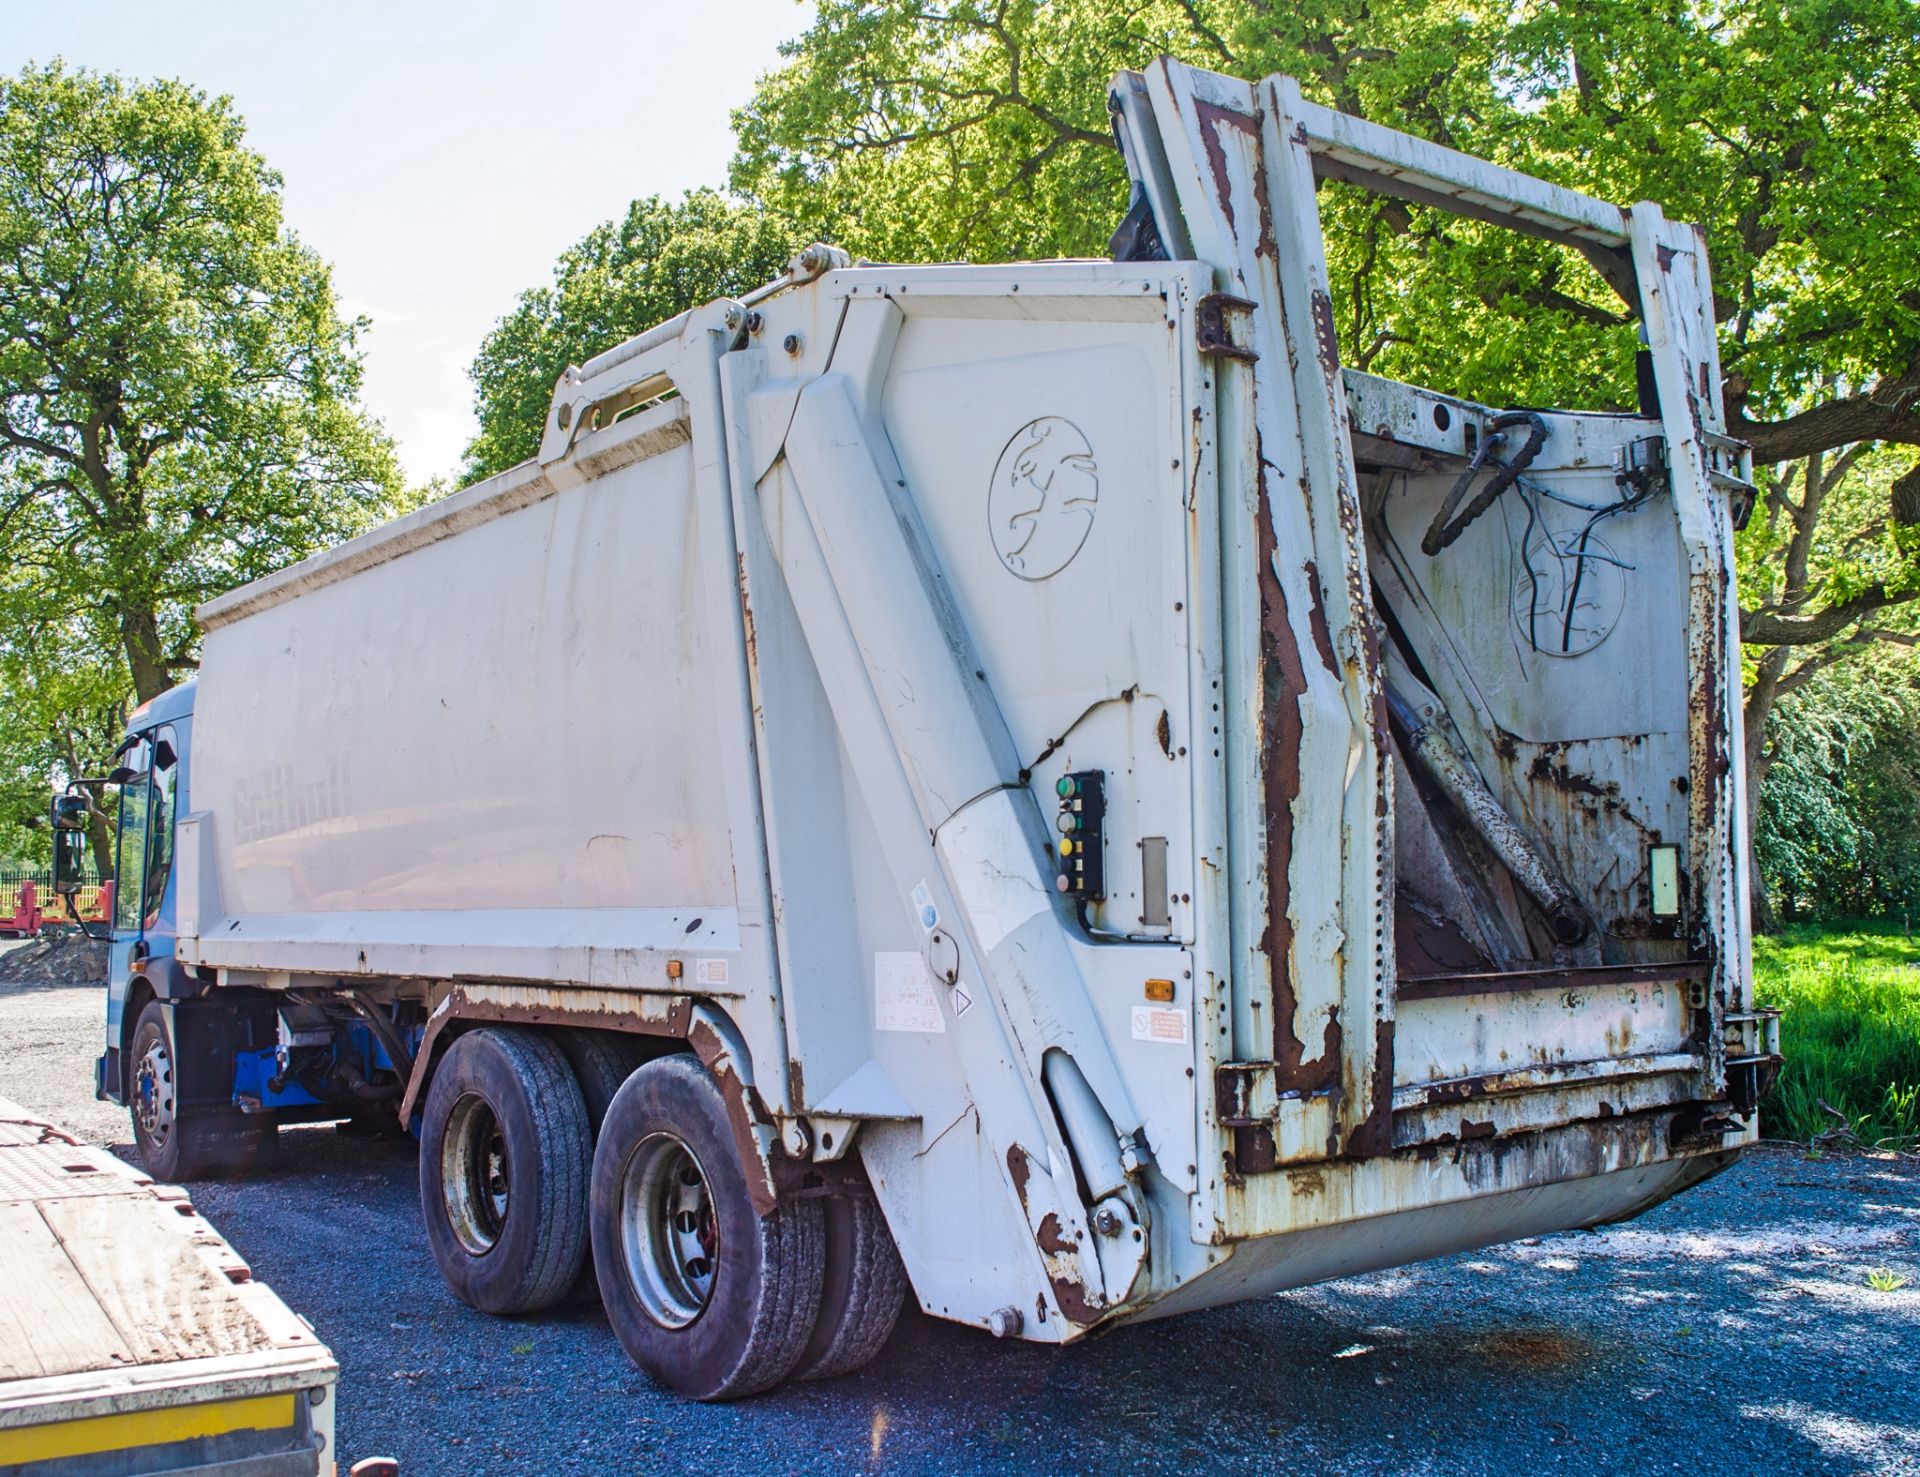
{"x":153,"y":1093}
{"x":669,"y":1232}
{"x":476,"y":1176}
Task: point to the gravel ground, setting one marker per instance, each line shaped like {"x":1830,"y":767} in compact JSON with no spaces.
{"x":1732,"y":1330}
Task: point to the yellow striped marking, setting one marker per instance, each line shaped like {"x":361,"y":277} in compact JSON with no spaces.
{"x":143,"y":1428}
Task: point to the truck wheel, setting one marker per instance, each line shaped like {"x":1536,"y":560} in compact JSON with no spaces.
{"x":712,"y":1299}
{"x":601,"y":1061}
{"x":862,"y":1292}
{"x":504,"y":1157}
{"x":178,"y":1142}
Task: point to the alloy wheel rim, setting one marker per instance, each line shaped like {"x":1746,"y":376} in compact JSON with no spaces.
{"x":153,"y":1106}
{"x":669,"y":1231}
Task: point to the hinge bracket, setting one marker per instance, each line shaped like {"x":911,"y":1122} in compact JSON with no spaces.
{"x":1212,"y":334}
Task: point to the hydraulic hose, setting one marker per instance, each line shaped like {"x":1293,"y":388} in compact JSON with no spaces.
{"x":1441,"y":533}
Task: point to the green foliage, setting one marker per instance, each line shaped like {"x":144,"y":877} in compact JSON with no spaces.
{"x":976,"y":129}
{"x":177,"y":403}
{"x":625,"y":276}
{"x":1850,"y":1033}
{"x":1840,"y":809}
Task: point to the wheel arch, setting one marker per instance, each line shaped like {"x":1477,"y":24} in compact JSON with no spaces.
{"x":140,"y":992}
{"x":679,"y":1023}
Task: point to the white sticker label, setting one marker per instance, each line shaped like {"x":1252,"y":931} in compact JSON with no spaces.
{"x":1153,"y":1024}
{"x":903,"y":998}
{"x":710,"y":972}
{"x":962,"y":1001}
{"x":923,"y":908}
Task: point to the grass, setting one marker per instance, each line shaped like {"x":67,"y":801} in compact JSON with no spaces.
{"x":1851,"y":1032}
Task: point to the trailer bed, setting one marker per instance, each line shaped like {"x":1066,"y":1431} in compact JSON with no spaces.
{"x":133,"y":1338}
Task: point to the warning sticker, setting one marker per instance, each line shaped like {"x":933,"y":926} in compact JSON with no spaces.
{"x":710,"y":972}
{"x":1153,"y":1024}
{"x":962,"y":1001}
{"x":903,"y":998}
{"x":923,"y":907}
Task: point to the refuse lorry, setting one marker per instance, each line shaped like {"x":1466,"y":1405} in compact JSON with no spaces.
{"x":1032,"y":784}
{"x":133,"y":1338}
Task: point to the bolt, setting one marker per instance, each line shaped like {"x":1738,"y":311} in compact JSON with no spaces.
{"x":755,"y":322}
{"x":791,"y":343}
{"x":1107,"y":1222}
{"x":1004,"y":1323}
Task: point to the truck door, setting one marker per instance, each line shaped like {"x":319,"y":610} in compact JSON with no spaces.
{"x":143,"y":848}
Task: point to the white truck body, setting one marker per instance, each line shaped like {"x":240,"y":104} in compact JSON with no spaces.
{"x":742,"y":709}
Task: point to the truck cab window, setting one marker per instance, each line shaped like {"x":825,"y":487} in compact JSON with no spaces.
{"x":131,"y":848}
{"x":164,"y":775}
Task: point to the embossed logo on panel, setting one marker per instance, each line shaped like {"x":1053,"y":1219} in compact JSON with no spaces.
{"x":1046,"y":487}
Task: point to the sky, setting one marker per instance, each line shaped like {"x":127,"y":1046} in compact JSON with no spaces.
{"x":441,"y":155}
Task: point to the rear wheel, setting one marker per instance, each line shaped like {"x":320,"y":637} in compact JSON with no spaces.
{"x":861,"y":1294}
{"x":708,"y":1296}
{"x":504,"y":1156}
{"x":178,"y":1141}
{"x":601,"y":1062}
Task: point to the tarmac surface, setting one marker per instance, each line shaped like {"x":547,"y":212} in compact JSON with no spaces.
{"x":1740,"y":1328}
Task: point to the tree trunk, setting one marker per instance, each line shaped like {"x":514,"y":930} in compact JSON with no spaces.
{"x":146,"y":659}
{"x":100,"y":843}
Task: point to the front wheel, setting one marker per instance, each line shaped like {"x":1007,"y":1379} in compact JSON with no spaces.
{"x":178,"y":1141}
{"x":708,"y":1296}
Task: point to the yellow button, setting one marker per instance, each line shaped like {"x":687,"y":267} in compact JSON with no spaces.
{"x":1066,"y":846}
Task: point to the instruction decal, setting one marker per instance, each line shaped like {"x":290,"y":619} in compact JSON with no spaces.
{"x":710,"y":972}
{"x":1152,"y":1023}
{"x":923,"y":907}
{"x":903,"y":997}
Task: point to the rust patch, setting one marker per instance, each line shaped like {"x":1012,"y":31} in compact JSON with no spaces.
{"x":1307,"y":1182}
{"x":1471,"y":1130}
{"x":1020,"y":1169}
{"x":1266,"y":246}
{"x":742,"y":1111}
{"x":1163,"y":732}
{"x":1373,"y":1134}
{"x":796,"y":1085}
{"x":1072,"y":1298}
{"x":1283,"y":678}
{"x":461,"y":1009}
{"x":1326,"y":341}
{"x":1570,"y":781}
{"x":1052,"y":1239}
{"x":1212,"y":117}
{"x":1317,"y":617}
{"x":1382,"y":735}
{"x":746,"y":612}
{"x":1254,"y":1149}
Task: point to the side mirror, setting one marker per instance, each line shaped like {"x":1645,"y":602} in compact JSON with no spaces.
{"x":69,"y":843}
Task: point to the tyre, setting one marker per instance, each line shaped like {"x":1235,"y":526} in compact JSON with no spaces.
{"x":712,"y":1299}
{"x":504,"y":1157}
{"x":178,"y":1142}
{"x":861,"y":1293}
{"x":601,"y":1061}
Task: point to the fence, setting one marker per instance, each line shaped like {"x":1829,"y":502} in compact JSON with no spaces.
{"x":28,"y":902}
